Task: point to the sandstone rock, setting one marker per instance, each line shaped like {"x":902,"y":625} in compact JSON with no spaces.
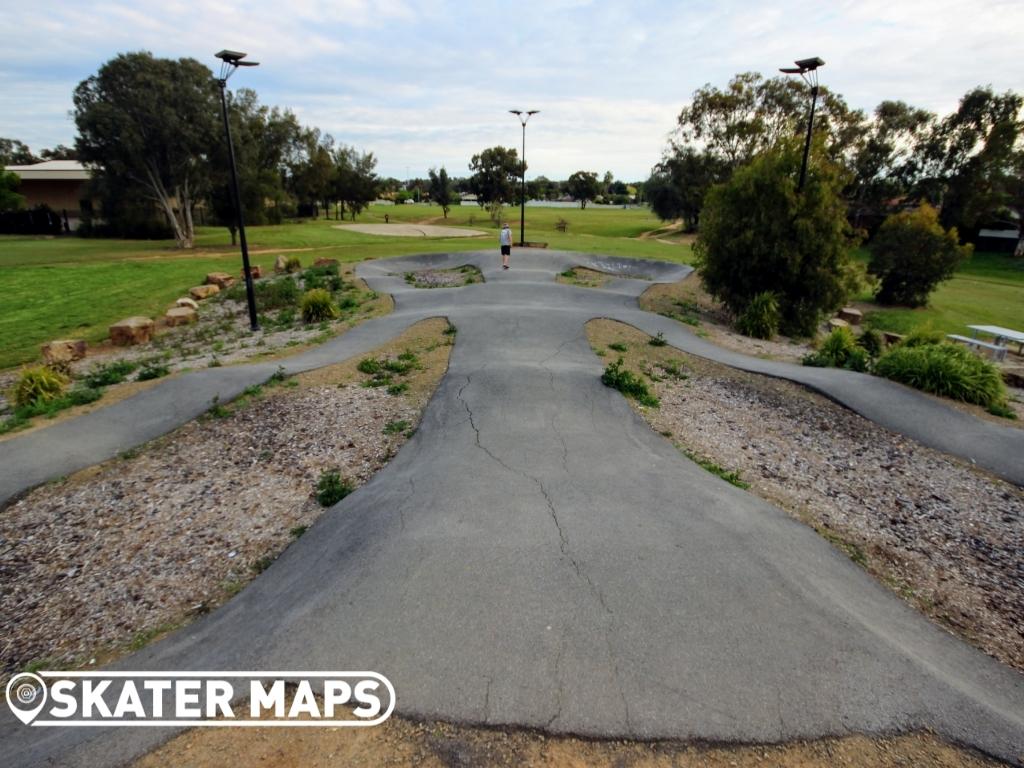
{"x":131,"y":331}
{"x":851,"y":315}
{"x":892,"y":338}
{"x":221,"y":279}
{"x":63,"y":351}
{"x":1014,"y":377}
{"x":322,"y":262}
{"x":180,"y":316}
{"x":187,"y":302}
{"x":201,"y":292}
{"x":835,"y":322}
{"x":281,"y":264}
{"x":255,"y":271}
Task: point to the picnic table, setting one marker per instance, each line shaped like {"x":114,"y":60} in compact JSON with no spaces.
{"x":1001,"y":335}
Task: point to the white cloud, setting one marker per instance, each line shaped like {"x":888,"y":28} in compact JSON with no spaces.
{"x":429,"y":82}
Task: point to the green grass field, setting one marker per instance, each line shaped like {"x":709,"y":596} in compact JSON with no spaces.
{"x":73,"y":287}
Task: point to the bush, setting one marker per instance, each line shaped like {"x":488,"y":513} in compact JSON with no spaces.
{"x":871,"y":342}
{"x":316,"y":305}
{"x":332,"y":488}
{"x":921,"y":336}
{"x":152,"y":371}
{"x":628,"y":383}
{"x":944,"y":369}
{"x":270,"y":294}
{"x":757,"y":234}
{"x":912,"y":254}
{"x":38,"y":385}
{"x":292,"y":264}
{"x":760,"y":319}
{"x":111,"y":373}
{"x":839,"y":350}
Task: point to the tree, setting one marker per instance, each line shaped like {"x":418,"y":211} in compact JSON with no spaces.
{"x":264,"y":139}
{"x":495,"y":172}
{"x":312,"y":168}
{"x":441,"y":191}
{"x":912,"y":254}
{"x":60,"y":152}
{"x":583,"y":186}
{"x":355,"y":181}
{"x":10,"y":200}
{"x":971,"y":159}
{"x":148,"y":123}
{"x":759,"y":235}
{"x":679,"y":183}
{"x":888,"y":162}
{"x":13,"y":152}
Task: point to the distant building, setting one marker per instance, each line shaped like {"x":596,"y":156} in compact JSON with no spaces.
{"x":59,"y":184}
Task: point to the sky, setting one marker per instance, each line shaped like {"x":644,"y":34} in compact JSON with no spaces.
{"x":428,"y":83}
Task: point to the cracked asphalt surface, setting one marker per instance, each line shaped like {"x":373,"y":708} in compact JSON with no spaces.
{"x":537,"y":556}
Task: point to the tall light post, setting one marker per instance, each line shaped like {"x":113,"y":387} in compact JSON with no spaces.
{"x":808,"y":70}
{"x":230,"y":61}
{"x":524,"y":118}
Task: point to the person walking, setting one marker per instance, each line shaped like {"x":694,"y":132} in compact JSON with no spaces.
{"x":505,"y":239}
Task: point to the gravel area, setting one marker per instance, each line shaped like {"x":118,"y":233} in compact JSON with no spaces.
{"x":945,"y":536}
{"x":134,"y":546}
{"x":444,"y":278}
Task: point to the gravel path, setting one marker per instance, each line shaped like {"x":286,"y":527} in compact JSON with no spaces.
{"x":944,"y":535}
{"x":138,"y":544}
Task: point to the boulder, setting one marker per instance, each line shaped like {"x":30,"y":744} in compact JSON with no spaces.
{"x":221,"y":279}
{"x":131,"y":331}
{"x":281,"y":264}
{"x":1014,"y":377}
{"x":851,"y":315}
{"x":201,"y":292}
{"x":184,"y":301}
{"x":891,"y":338}
{"x":63,"y":351}
{"x":180,"y":316}
{"x":255,"y":271}
{"x":322,"y":262}
{"x":835,"y":322}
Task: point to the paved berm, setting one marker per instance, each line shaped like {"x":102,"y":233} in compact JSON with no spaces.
{"x":537,"y":556}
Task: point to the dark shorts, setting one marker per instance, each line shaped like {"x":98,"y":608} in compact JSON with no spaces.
{"x":506,"y":250}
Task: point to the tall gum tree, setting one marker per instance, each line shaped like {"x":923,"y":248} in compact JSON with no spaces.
{"x":149,"y":123}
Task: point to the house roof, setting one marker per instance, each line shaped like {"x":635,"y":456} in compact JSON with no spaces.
{"x":57,"y":170}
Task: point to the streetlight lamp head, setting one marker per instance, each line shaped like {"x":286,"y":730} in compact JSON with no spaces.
{"x":516,"y":111}
{"x":791,"y":70}
{"x":231,"y":57}
{"x":533,"y":112}
{"x":809,"y":64}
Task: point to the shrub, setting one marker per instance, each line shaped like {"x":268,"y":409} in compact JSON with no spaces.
{"x":332,"y":488}
{"x":760,"y":319}
{"x":871,"y":342}
{"x":839,"y":350}
{"x":944,"y":369}
{"x":111,"y":373}
{"x":316,"y":305}
{"x":292,"y":264}
{"x":369,"y":365}
{"x":758,"y":234}
{"x":657,"y":341}
{"x":921,"y":336}
{"x":152,"y":371}
{"x":38,"y":385}
{"x":628,"y":383}
{"x":911,"y":254}
{"x":270,"y":294}
{"x":618,"y":346}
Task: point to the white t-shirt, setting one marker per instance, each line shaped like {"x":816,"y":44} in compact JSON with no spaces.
{"x":506,"y":236}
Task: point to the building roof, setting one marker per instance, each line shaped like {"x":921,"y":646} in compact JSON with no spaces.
{"x":58,"y":170}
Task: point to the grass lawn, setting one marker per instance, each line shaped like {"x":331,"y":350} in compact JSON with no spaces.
{"x":75,"y":287}
{"x":72,"y":287}
{"x":987,"y":290}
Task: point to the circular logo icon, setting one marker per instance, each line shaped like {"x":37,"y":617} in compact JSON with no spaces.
{"x":26,"y":696}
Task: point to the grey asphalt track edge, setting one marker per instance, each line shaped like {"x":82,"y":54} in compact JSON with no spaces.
{"x":537,"y":556}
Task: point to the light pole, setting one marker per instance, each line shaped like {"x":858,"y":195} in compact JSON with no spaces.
{"x":808,"y":70}
{"x":230,"y":61}
{"x":524,"y":118}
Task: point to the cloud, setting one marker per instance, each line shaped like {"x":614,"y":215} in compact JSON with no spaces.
{"x":430,"y":82}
